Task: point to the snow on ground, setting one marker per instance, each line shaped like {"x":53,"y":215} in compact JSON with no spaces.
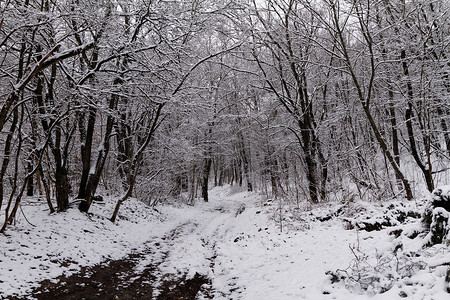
{"x":235,"y":239}
{"x":61,"y":243}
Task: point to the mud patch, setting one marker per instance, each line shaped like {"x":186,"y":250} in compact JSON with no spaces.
{"x":186,"y":289}
{"x":112,"y":280}
{"x":117,"y":280}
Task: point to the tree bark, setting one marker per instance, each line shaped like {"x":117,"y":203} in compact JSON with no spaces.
{"x":137,"y":158}
{"x":205,"y":177}
{"x":86,"y":139}
{"x":7,"y":153}
{"x":30,"y":182}
{"x":245,"y":161}
{"x":387,"y":153}
{"x":94,"y":177}
{"x":426,"y":169}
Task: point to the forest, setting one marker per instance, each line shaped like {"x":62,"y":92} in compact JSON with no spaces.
{"x":310,"y":103}
{"x":313,"y":101}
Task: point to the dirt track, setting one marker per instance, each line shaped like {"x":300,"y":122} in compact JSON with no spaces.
{"x":120,"y":280}
{"x":173,"y":266}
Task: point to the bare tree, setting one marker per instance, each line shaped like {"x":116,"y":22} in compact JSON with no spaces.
{"x":283,"y":53}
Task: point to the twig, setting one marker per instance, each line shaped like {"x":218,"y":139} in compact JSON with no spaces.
{"x":20,"y":206}
{"x":199,"y":63}
{"x":440,"y":265}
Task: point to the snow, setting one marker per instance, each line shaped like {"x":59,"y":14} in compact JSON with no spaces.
{"x":442,"y":193}
{"x":243,"y":251}
{"x":31,"y":254}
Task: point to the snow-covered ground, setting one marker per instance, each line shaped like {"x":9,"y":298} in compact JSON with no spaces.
{"x":61,"y":243}
{"x":236,"y":240}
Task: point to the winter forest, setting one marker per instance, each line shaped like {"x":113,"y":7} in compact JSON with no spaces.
{"x":288,"y":115}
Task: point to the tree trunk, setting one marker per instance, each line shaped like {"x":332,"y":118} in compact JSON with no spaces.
{"x":221,"y":175}
{"x":192,"y":185}
{"x":245,"y":161}
{"x":215,"y":167}
{"x":7,"y":152}
{"x":94,"y":178}
{"x":123,"y":199}
{"x":444,"y":128}
{"x":9,"y":217}
{"x":205,"y":178}
{"x":86,"y":139}
{"x":387,"y":153}
{"x":62,"y":187}
{"x":394,"y":132}
{"x":311,"y":166}
{"x":30,"y":182}
{"x":137,"y":158}
{"x":426,"y":170}
{"x":41,"y":175}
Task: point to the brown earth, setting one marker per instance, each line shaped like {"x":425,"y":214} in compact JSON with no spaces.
{"x":117,"y":280}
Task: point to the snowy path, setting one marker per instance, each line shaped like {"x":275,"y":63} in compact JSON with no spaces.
{"x":234,"y":253}
{"x":256,"y":261}
{"x":247,"y":257}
